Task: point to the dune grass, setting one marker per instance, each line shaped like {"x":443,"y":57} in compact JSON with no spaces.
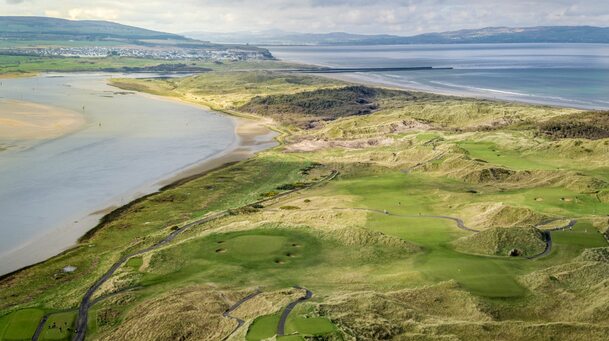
{"x":378,"y":274}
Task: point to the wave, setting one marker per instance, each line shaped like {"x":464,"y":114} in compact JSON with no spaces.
{"x":508,"y":92}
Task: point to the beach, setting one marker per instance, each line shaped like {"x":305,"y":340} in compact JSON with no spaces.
{"x":23,"y":124}
{"x":123,"y":146}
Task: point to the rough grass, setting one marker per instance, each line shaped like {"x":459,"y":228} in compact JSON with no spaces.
{"x":600,"y":254}
{"x":227,"y":90}
{"x":588,"y":125}
{"x":374,"y":275}
{"x":513,"y":241}
{"x":196,"y":313}
{"x":306,"y":109}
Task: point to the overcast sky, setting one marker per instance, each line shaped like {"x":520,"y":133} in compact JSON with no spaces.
{"x":358,"y":16}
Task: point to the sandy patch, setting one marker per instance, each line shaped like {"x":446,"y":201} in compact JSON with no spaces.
{"x":315,"y":145}
{"x":22,"y":122}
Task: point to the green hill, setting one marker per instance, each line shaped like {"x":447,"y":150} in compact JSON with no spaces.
{"x":42,"y":28}
{"x":499,"y":241}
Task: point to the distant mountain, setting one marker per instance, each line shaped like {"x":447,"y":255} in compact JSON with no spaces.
{"x":44,"y":28}
{"x":540,"y":34}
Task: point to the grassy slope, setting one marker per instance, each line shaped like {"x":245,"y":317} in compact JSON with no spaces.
{"x":416,"y":158}
{"x":27,"y":65}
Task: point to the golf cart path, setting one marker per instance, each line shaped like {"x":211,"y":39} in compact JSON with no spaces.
{"x":86,"y":303}
{"x":288,"y":309}
{"x":234,"y":307}
{"x":461,"y":225}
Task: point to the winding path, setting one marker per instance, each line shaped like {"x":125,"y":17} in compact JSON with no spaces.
{"x":460,"y":224}
{"x":289,"y":308}
{"x":547,"y":234}
{"x":86,"y":302}
{"x":234,"y":307}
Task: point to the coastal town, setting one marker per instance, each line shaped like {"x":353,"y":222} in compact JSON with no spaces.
{"x":211,"y":54}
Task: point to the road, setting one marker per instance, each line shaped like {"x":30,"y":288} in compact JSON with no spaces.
{"x":39,"y":328}
{"x":289,"y":308}
{"x":460,"y":224}
{"x":86,"y":303}
{"x":547,"y":234}
{"x":234,"y":307}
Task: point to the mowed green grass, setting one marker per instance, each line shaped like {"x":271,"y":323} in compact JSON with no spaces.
{"x":522,"y":159}
{"x":496,"y":155}
{"x":263,"y":327}
{"x":21,"y":325}
{"x":309,"y":326}
{"x":135,"y":263}
{"x":296,"y":327}
{"x":154,"y":216}
{"x":61,"y":322}
{"x":272,"y":256}
{"x":413,"y":195}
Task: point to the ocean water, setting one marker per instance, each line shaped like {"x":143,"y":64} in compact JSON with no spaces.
{"x":129,"y":143}
{"x":573,"y":75}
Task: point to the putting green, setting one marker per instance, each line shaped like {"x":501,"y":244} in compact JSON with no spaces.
{"x":296,"y":327}
{"x":256,"y":247}
{"x":311,"y":326}
{"x":276,"y":256}
{"x":22,"y":324}
{"x":484,"y":276}
{"x":263,"y":327}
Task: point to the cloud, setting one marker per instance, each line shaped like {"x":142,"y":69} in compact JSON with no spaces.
{"x":358,"y":16}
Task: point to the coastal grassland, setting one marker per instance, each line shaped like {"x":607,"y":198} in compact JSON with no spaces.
{"x":31,"y":65}
{"x":141,"y":224}
{"x":227,"y":90}
{"x":373,"y":244}
{"x":419,"y":154}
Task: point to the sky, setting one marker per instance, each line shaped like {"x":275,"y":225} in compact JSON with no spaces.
{"x":403,"y":17}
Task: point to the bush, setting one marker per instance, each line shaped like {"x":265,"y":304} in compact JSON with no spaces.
{"x":587,"y":125}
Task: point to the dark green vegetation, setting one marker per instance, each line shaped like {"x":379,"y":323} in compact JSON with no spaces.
{"x":373,"y":244}
{"x":305,"y":109}
{"x":55,"y":29}
{"x":498,"y":241}
{"x":588,"y":125}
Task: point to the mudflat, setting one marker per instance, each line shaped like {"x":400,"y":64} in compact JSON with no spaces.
{"x":24,"y":123}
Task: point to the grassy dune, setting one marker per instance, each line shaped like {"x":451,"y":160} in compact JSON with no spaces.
{"x":373,"y":244}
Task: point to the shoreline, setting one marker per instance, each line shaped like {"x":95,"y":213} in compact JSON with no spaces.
{"x":250,"y":137}
{"x":364,"y":80}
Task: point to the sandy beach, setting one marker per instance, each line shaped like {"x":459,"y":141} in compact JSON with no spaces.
{"x":22,"y":124}
{"x":252,"y":136}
